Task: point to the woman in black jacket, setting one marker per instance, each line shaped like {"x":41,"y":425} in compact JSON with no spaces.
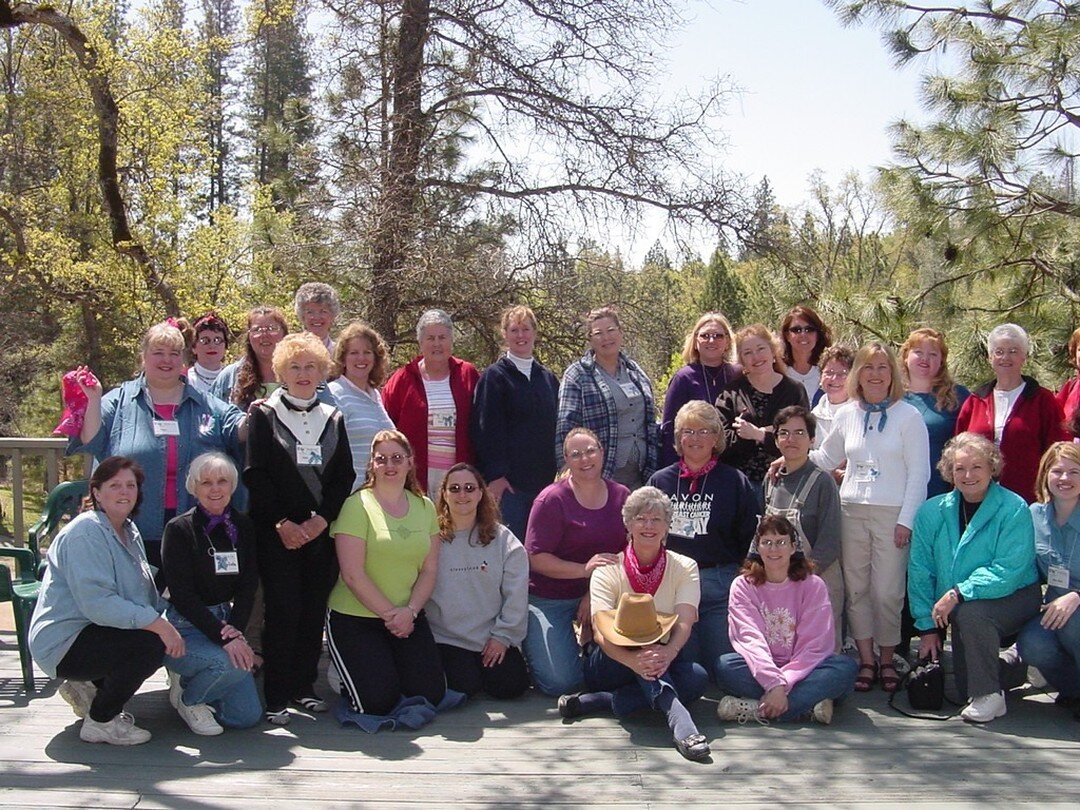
{"x":299,"y":471}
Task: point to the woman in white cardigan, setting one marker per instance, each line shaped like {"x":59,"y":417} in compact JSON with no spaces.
{"x":884,"y":441}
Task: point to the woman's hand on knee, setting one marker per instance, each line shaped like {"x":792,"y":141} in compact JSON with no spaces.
{"x":173,"y":641}
{"x":241,"y":656}
{"x":774,"y":703}
{"x":1056,"y":614}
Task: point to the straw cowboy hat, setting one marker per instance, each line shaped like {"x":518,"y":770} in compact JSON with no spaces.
{"x":635,"y":622}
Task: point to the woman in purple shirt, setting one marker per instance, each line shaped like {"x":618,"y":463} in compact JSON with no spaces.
{"x":575,"y":527}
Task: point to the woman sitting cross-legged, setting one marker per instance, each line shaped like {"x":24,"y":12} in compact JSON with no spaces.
{"x":480,"y":606}
{"x":781,"y":626}
{"x":208,"y":563}
{"x":643,"y":609}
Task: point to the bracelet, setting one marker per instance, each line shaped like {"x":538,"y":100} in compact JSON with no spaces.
{"x":413,"y":611}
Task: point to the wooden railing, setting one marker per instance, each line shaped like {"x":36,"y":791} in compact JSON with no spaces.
{"x":15,"y":450}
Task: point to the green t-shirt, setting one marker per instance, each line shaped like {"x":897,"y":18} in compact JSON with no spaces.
{"x":396,"y":547}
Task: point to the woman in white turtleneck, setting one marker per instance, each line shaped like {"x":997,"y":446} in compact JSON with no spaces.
{"x":299,"y":472}
{"x":211,"y":343}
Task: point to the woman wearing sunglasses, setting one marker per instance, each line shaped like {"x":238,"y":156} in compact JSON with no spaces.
{"x":479,"y":609}
{"x":805,"y":337}
{"x":387,"y":539}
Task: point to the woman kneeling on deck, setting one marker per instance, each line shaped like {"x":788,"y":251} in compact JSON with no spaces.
{"x":644,"y":607}
{"x":781,"y":627}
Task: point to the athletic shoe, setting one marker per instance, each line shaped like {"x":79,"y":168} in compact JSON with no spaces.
{"x":79,"y":695}
{"x":121,"y":730}
{"x":1036,"y":678}
{"x":742,"y":710}
{"x":311,"y":703}
{"x":570,"y":706}
{"x":985,"y":708}
{"x":823,"y":710}
{"x":200,"y":719}
{"x":277,"y":717}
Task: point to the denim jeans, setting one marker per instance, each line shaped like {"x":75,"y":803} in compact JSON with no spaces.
{"x":515,"y":508}
{"x":551,"y":648}
{"x":631,"y":693}
{"x":709,"y":638}
{"x":208,"y":676}
{"x":833,"y":678}
{"x":1055,"y":653}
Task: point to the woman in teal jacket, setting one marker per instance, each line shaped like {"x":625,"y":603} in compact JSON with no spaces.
{"x":972,"y":567}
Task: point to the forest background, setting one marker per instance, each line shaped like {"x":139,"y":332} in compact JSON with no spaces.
{"x":171,"y":157}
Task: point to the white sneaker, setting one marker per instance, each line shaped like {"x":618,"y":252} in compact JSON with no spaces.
{"x":79,"y":695}
{"x":984,"y":708}
{"x":738,"y":709}
{"x":200,"y":719}
{"x":823,"y":710}
{"x":121,"y":730}
{"x":1036,"y":678}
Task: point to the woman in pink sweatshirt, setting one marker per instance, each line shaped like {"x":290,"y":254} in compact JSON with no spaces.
{"x":781,"y":627}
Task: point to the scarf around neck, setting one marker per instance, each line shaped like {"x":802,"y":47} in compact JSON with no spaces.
{"x":696,"y":476}
{"x":644,"y":579}
{"x":879,"y":407}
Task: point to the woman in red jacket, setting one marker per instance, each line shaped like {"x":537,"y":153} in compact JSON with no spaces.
{"x":430,"y":401}
{"x":1069,"y":395}
{"x":1013,"y":411}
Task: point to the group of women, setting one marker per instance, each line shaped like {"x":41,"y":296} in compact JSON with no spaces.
{"x":421,"y":522}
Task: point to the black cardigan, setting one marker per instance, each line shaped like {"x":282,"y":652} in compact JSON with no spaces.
{"x":734,"y":401}
{"x":187,"y":565}
{"x":278,"y":490}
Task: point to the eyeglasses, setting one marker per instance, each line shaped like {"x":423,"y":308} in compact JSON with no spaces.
{"x":396,"y":458}
{"x":611,"y":330}
{"x":832,"y":372}
{"x":454,"y":489}
{"x":688,"y":432}
{"x":1006,"y":352}
{"x":802,"y":330}
{"x":210,"y":341}
{"x":649,"y":520}
{"x":784,"y":433}
{"x":709,"y":337}
{"x":266,"y":330}
{"x":779,"y":542}
{"x":588,"y":452}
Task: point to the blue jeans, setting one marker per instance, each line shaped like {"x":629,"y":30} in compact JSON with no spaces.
{"x":1055,"y":653}
{"x":550,"y":646}
{"x":833,"y":678}
{"x":631,"y":693}
{"x":709,"y":638}
{"x":515,"y":508}
{"x":209,"y":677}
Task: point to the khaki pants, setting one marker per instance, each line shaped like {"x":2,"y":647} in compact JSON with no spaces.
{"x":875,"y":572}
{"x":834,"y":580}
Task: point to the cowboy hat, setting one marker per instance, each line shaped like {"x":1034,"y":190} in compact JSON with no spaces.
{"x":635,"y":622}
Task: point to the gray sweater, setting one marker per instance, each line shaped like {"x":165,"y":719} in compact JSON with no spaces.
{"x":91,"y":578}
{"x":819,"y":514}
{"x":481,"y":592}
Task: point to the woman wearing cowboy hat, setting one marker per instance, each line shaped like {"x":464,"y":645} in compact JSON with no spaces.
{"x":781,"y":627}
{"x":643,"y":609}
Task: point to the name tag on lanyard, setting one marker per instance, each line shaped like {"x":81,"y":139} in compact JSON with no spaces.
{"x":166,"y":427}
{"x":226,"y":562}
{"x":1057,"y":576}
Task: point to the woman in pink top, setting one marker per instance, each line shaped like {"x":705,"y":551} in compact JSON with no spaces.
{"x":781,"y":627}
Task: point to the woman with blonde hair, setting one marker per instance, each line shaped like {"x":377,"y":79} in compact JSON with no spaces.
{"x":929,"y":386}
{"x":749,"y":404}
{"x":1051,"y":641}
{"x":360,"y":360}
{"x":513,"y":421}
{"x":709,"y":354}
{"x":299,"y":472}
{"x":883,"y":440}
{"x":479,"y":609}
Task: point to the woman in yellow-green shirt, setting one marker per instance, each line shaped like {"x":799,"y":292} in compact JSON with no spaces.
{"x":387,"y":539}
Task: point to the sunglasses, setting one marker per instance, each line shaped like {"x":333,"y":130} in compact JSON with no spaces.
{"x":802,"y":330}
{"x":454,"y":489}
{"x":396,"y":458}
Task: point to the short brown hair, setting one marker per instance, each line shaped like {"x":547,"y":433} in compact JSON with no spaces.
{"x":799,"y":566}
{"x":361,"y":330}
{"x":109,"y":469}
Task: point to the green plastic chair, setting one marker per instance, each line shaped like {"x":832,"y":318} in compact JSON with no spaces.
{"x":64,"y":502}
{"x":22,"y":591}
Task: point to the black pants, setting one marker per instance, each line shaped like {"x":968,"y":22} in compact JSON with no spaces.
{"x":377,"y":668}
{"x":465,"y":672}
{"x":296,"y":584}
{"x":117,"y":661}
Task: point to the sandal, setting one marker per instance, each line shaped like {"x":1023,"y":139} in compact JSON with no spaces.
{"x":277,"y":717}
{"x":889,"y":683}
{"x":695,"y":747}
{"x":311,"y":703}
{"x":864,"y":683}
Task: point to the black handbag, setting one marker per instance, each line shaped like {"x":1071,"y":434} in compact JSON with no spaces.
{"x":926,"y":685}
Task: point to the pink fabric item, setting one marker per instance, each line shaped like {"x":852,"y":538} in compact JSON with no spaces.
{"x":172,"y":456}
{"x":783,"y":630}
{"x":75,"y":402}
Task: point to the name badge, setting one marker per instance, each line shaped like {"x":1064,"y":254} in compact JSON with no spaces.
{"x":630,"y":390}
{"x":166,"y":427}
{"x":682,"y":526}
{"x":442,"y":419}
{"x":309,"y":455}
{"x":866,"y":471}
{"x":1057,"y":576}
{"x":226,"y":562}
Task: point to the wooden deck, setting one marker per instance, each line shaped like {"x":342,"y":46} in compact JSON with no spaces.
{"x":521,"y":754}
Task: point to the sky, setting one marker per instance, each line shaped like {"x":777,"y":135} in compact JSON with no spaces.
{"x":815,"y":95}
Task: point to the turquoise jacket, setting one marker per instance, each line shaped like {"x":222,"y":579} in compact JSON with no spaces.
{"x":994,"y":558}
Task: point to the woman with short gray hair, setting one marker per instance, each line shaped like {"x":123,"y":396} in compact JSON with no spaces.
{"x":317,"y":307}
{"x":1013,"y":411}
{"x":430,"y":401}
